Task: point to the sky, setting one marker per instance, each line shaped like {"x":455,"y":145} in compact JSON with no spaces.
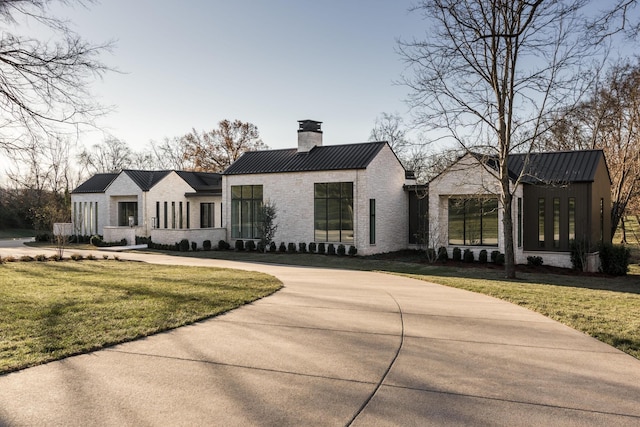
{"x":192,"y":63}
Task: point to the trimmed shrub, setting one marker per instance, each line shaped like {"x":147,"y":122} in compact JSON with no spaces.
{"x":41,"y":257}
{"x":9,"y":259}
{"x":250,"y":245}
{"x":443,"y":255}
{"x":353,"y":251}
{"x":96,"y":241}
{"x":76,"y":257}
{"x":223,"y":245}
{"x":239,"y":245}
{"x":55,"y":257}
{"x":482,"y":256}
{"x":342,"y":250}
{"x":272,"y":247}
{"x":468,"y":255}
{"x":614,"y":259}
{"x":291,"y":248}
{"x":261,"y":246}
{"x":105,"y":257}
{"x":206,"y":245}
{"x":321,"y":248}
{"x":331,"y":250}
{"x":183,"y":246}
{"x":194,"y":246}
{"x":91,"y":257}
{"x":494,"y":256}
{"x":302,"y":247}
{"x":457,"y":254}
{"x":500,"y":259}
{"x":282,"y":247}
{"x":312,"y":247}
{"x":535,"y":261}
{"x":26,"y":258}
{"x":44,"y":237}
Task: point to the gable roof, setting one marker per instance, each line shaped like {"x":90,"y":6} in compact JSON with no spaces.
{"x":145,"y":179}
{"x":201,"y":182}
{"x":98,"y":183}
{"x":329,"y":157}
{"x":557,"y":167}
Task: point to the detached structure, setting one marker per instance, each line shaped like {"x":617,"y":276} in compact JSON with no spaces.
{"x":562,"y":196}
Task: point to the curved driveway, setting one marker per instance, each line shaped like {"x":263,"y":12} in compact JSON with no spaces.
{"x":338,"y":348}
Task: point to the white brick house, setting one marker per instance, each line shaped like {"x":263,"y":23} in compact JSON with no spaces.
{"x":341,"y":194}
{"x":167,"y":206}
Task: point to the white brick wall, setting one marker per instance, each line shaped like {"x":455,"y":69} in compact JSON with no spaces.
{"x":293,"y":195}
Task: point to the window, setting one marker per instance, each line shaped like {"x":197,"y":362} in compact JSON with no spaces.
{"x":125,"y":211}
{"x":333,"y":212}
{"x":246,"y":201}
{"x":473,"y":222}
{"x":166,"y":215}
{"x":180,"y":217}
{"x":173,"y":215}
{"x":541,"y":223}
{"x":157,"y":224}
{"x":188,"y":215}
{"x":206,"y":215}
{"x":556,"y":222}
{"x":601,"y":219}
{"x":519,"y":219}
{"x":372,"y":221}
{"x":572,"y":218}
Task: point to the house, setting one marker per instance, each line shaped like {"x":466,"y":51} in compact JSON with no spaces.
{"x":167,"y":206}
{"x":562,"y":196}
{"x":342,"y":194}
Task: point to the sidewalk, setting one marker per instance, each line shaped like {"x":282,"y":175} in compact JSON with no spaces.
{"x":339,"y":348}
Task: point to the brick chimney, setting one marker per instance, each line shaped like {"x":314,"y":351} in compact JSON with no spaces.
{"x":309,"y":135}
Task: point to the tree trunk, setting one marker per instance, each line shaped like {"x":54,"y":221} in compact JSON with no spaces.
{"x":507,"y":223}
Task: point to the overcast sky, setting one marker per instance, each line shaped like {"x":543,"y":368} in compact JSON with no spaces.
{"x":189,"y":64}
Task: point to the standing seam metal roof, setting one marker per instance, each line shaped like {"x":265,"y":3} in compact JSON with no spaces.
{"x":96,"y":184}
{"x":557,"y":167}
{"x":199,"y":181}
{"x":330,"y":157}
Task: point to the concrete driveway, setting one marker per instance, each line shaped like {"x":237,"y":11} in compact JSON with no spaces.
{"x":337,"y":348}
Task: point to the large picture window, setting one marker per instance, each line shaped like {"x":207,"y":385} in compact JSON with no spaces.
{"x":126,"y":210}
{"x":206,"y":215}
{"x":333,"y":212}
{"x":246,"y":201}
{"x":473,"y":222}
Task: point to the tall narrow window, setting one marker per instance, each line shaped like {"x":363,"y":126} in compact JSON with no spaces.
{"x":541,"y":223}
{"x":246,"y":201}
{"x":188,"y":216}
{"x":556,"y":222}
{"x":372,"y":221}
{"x":601,"y":219}
{"x":157,"y":224}
{"x":180,"y":216}
{"x":333,"y":212}
{"x":572,"y":218}
{"x":519,"y":219}
{"x":206,"y":215}
{"x":95,"y":213}
{"x":173,"y":215}
{"x":166,"y":215}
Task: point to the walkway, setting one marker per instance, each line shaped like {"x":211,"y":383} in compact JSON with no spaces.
{"x":337,"y":348}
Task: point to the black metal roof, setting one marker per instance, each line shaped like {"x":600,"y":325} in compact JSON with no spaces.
{"x":96,"y":184}
{"x":204,"y":182}
{"x":329,"y":157}
{"x":557,"y":167}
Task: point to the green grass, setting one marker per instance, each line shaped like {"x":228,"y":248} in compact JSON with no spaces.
{"x":55,"y":309}
{"x":16,"y":233}
{"x":607,"y":308}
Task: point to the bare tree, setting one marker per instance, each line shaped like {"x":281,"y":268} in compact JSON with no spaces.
{"x":44,"y":84}
{"x":112,"y":156}
{"x":391,"y":128}
{"x":609,"y":120}
{"x":171,"y":153}
{"x":489,"y":72}
{"x":215,"y":150}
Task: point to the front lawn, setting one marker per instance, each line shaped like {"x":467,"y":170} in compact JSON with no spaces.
{"x":50,"y":310}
